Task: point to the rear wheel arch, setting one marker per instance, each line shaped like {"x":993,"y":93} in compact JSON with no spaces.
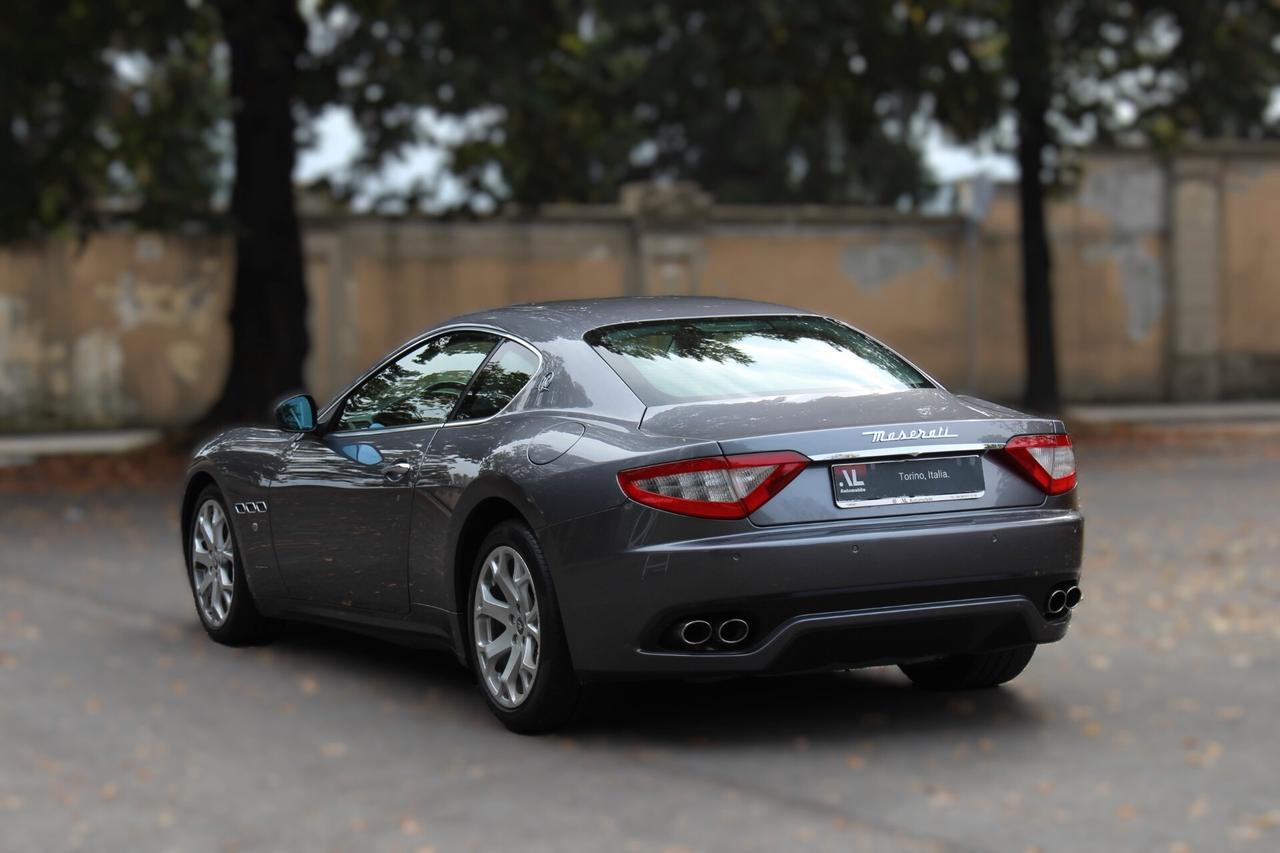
{"x":483,"y":517}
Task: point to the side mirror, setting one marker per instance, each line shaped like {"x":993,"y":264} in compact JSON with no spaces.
{"x":296,"y":414}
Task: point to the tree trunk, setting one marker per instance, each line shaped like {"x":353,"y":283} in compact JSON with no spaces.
{"x":1029,"y":59}
{"x":268,"y":312}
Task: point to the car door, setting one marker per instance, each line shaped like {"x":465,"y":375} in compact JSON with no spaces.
{"x":341,"y":503}
{"x":474,"y":440}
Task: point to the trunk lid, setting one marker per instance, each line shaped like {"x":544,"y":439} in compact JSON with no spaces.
{"x":836,"y":429}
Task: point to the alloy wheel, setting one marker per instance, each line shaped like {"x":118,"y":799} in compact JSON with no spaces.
{"x":507,"y":631}
{"x":213,"y":563}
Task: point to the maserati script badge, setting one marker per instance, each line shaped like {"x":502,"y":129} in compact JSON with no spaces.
{"x":910,"y":434}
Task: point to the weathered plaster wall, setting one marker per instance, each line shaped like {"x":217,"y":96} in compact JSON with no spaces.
{"x":1249,"y":292}
{"x":373,"y":284}
{"x":1110,"y":279}
{"x":1165,"y":287}
{"x":127,"y":328}
{"x":900,"y":282}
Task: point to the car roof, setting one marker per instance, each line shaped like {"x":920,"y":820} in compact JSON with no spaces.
{"x":546,"y":321}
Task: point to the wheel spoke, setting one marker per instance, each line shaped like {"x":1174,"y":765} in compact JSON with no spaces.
{"x":487,"y":605}
{"x":496,"y":646}
{"x":508,"y":587}
{"x":493,"y":674}
{"x":206,"y":530}
{"x":201,"y":557}
{"x":520,"y":580}
{"x":528,"y":657}
{"x":509,"y":673}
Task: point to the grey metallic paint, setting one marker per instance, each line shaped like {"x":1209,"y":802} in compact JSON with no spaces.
{"x":340,"y":543}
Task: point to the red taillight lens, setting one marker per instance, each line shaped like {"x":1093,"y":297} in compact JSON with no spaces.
{"x":714,"y":486}
{"x":1048,"y":460}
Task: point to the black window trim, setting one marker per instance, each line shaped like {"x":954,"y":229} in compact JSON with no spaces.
{"x":454,"y":420}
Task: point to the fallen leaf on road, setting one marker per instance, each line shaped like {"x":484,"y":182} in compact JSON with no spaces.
{"x":1199,"y":808}
{"x":1206,"y":757}
{"x":333,"y":749}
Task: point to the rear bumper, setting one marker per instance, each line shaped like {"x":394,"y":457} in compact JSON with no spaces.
{"x":876,"y":635}
{"x":816,"y":596}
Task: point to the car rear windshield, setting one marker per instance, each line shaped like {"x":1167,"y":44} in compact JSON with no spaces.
{"x":683,"y":361}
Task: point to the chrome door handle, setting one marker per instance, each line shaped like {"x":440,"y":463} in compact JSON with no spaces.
{"x":397,"y":472}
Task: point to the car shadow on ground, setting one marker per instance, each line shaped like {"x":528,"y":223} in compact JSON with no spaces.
{"x":798,"y":709}
{"x":813,"y":707}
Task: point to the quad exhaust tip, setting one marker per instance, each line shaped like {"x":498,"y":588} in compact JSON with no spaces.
{"x":732,"y":631}
{"x":1063,"y":599}
{"x":695,"y":632}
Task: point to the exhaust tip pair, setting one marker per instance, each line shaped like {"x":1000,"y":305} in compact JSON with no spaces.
{"x":697,"y":632}
{"x":1063,"y":599}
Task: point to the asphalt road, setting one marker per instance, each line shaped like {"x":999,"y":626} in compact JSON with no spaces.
{"x":1153,"y":726}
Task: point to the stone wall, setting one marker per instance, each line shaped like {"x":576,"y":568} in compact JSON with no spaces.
{"x":1164,"y":274}
{"x":123,"y":329}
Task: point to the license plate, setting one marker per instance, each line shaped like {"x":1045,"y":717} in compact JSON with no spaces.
{"x":906,"y":481}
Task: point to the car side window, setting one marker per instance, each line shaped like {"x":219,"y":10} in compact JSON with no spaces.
{"x":420,"y":387}
{"x":511,"y":367}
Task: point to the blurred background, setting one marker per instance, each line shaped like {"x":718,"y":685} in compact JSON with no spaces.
{"x":207,"y":204}
{"x":1070,"y":205}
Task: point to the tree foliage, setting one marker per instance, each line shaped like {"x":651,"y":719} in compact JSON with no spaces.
{"x":1156,"y":72}
{"x":106,"y":100}
{"x":565,"y":100}
{"x":765,"y":101}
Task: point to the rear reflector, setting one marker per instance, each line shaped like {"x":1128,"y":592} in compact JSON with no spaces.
{"x":713,"y":486}
{"x":1049,"y":461}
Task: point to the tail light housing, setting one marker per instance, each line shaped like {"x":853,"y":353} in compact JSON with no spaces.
{"x":713,"y":486}
{"x":1049,"y":461}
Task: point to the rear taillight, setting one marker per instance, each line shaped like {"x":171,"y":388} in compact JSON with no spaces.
{"x":714,"y":486}
{"x":1047,"y":460}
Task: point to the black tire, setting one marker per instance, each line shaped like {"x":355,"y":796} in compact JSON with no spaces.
{"x":555,"y":694}
{"x":243,"y":625}
{"x":970,"y":672}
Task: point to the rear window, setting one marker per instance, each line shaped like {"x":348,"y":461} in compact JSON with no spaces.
{"x":683,"y":361}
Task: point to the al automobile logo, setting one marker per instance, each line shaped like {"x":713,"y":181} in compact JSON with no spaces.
{"x":878,"y":435}
{"x":851,"y":478}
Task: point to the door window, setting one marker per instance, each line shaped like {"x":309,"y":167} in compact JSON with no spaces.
{"x":511,"y":367}
{"x":420,"y":387}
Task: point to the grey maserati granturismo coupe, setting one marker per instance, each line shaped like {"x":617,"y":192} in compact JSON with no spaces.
{"x":577,"y":492}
